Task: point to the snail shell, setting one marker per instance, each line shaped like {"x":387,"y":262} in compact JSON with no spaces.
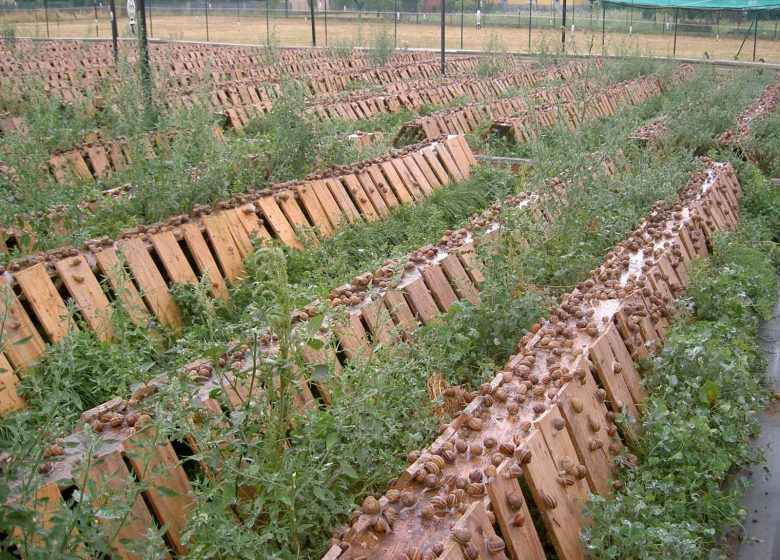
{"x":475,"y":475}
{"x":431,"y":481}
{"x":476,"y":489}
{"x":595,"y":444}
{"x":576,"y":404}
{"x":474,"y":424}
{"x":428,"y":512}
{"x":550,"y":501}
{"x":524,"y":455}
{"x":507,"y":449}
{"x":519,"y":519}
{"x":408,"y":499}
{"x":490,"y":471}
{"x":489,"y":442}
{"x":559,"y":423}
{"x":470,"y":552}
{"x":593,"y":423}
{"x":513,"y":409}
{"x":515,"y":501}
{"x":475,"y":448}
{"x":496,"y":459}
{"x":371,"y":506}
{"x":461,"y":535}
{"x":495,"y":544}
{"x":393,"y":495}
{"x":526,"y":426}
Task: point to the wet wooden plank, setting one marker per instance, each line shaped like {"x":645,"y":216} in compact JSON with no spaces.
{"x":522,"y":541}
{"x":204,"y":260}
{"x":600,"y":353}
{"x":153,"y":286}
{"x":156,"y":465}
{"x":123,"y":287}
{"x":421,"y":301}
{"x":443,"y":294}
{"x":45,"y":302}
{"x":224,"y":245}
{"x":109,"y":478}
{"x":85,"y":290}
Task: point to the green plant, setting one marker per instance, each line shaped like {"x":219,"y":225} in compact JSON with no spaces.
{"x":382,"y":47}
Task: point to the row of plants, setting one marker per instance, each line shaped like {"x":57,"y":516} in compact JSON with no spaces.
{"x":704,"y":393}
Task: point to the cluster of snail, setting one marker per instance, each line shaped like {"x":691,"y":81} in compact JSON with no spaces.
{"x":764,"y":105}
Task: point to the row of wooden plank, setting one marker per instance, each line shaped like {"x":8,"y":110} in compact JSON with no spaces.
{"x":420,"y":296}
{"x":139,"y":270}
{"x":561,"y":438}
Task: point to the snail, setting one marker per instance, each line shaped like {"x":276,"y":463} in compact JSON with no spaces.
{"x":515,"y":501}
{"x":495,"y":544}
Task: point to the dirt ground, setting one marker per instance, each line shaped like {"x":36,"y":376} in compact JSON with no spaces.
{"x":288,"y":32}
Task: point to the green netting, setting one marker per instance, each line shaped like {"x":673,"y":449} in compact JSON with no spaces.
{"x":741,"y":5}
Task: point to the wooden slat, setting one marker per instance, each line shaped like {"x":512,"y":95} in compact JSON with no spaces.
{"x":329,"y":204}
{"x":600,"y":353}
{"x":371,"y":190}
{"x":400,"y":311}
{"x":419,"y":177}
{"x":407,"y":178}
{"x":315,"y":210}
{"x":276,"y":219}
{"x":247,"y":215}
{"x":421,"y":301}
{"x":447,"y":161}
{"x":394,"y":182}
{"x":10,"y":400}
{"x":21,"y":342}
{"x":87,"y":293}
{"x":440,"y":288}
{"x":172,"y":257}
{"x":436,"y":166}
{"x":352,"y":337}
{"x":47,"y":304}
{"x":521,"y":541}
{"x":235,"y":224}
{"x":204,"y":260}
{"x":110,"y":477}
{"x":467,"y":253}
{"x":360,"y":197}
{"x":344,"y":201}
{"x":424,"y":166}
{"x":379,"y":322}
{"x":123,"y":287}
{"x":224,"y":245}
{"x":466,"y":150}
{"x":385,"y":191}
{"x":156,"y":465}
{"x":459,"y":279}
{"x":295,"y":216}
{"x":155,"y":290}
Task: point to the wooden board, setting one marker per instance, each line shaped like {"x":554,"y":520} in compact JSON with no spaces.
{"x":123,"y":287}
{"x":396,"y":184}
{"x":523,"y":541}
{"x":204,"y":260}
{"x":276,"y":219}
{"x":155,"y":464}
{"x":10,"y":400}
{"x":44,"y":300}
{"x":224,"y":245}
{"x":342,"y":198}
{"x":400,"y":312}
{"x":379,"y":322}
{"x":360,"y":198}
{"x":469,"y":258}
{"x":254,"y":228}
{"x":582,"y":434}
{"x":328,"y":202}
{"x":443,"y":294}
{"x":352,"y":337}
{"x":452,"y":168}
{"x":110,"y":477}
{"x":379,"y":181}
{"x":466,"y":150}
{"x":408,"y":180}
{"x":295,"y":216}
{"x":600,"y":353}
{"x":371,"y":190}
{"x":424,"y":166}
{"x":237,"y":227}
{"x":421,"y":301}
{"x":436,"y":166}
{"x":420,"y":179}
{"x":314,"y":209}
{"x":456,"y":153}
{"x":475,"y":519}
{"x":459,"y":279}
{"x":172,"y":257}
{"x":153,"y":286}
{"x":563,"y":522}
{"x":21,"y":342}
{"x":85,"y":290}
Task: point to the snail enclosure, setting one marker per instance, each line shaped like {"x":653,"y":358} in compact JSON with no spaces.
{"x":297,"y":307}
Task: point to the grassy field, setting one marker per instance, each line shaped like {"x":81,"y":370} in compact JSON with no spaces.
{"x":290,"y":32}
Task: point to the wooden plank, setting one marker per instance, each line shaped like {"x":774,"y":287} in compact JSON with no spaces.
{"x":295,"y":216}
{"x":379,"y":322}
{"x":276,"y":219}
{"x":466,"y":150}
{"x":592,"y":446}
{"x":469,"y":257}
{"x":360,"y":197}
{"x":449,"y":164}
{"x":475,"y":519}
{"x":154,"y":289}
{"x":123,"y":287}
{"x":421,"y":302}
{"x":379,"y":181}
{"x":47,"y":504}
{"x":204,"y":260}
{"x":314,"y":209}
{"x":459,"y":279}
{"x":224,"y":245}
{"x":44,"y":300}
{"x":352,"y":337}
{"x":328,"y":202}
{"x":21,"y":342}
{"x":343,"y":199}
{"x":254,"y":228}
{"x":79,"y":165}
{"x":628,"y":371}
{"x":109,"y":480}
{"x":600,"y":353}
{"x":376,"y":198}
{"x":407,"y":178}
{"x":394,"y":181}
{"x":443,"y":294}
{"x":172,"y":257}
{"x":156,"y":465}
{"x":420,"y":179}
{"x":424,"y":166}
{"x":85,"y":290}
{"x":10,"y":401}
{"x":522,"y":541}
{"x":230,"y":217}
{"x":400,"y":311}
{"x":564,"y":520}
{"x":436,"y":166}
